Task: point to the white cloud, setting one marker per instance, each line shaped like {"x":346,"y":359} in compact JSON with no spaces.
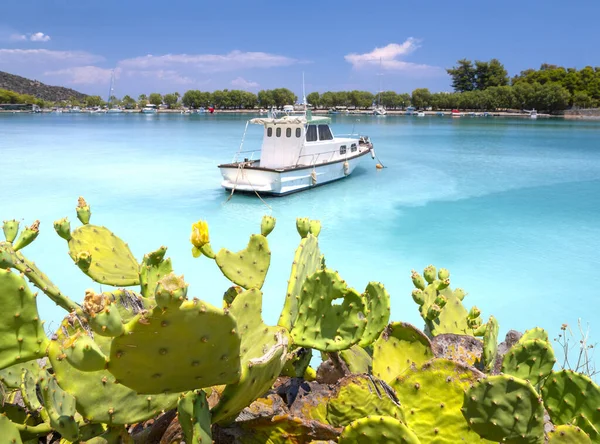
{"x":39,"y":37}
{"x":18,"y":37}
{"x":82,"y":75}
{"x":44,"y":56}
{"x":35,"y":37}
{"x":167,"y":75}
{"x":240,"y":82}
{"x":388,"y":58}
{"x":210,"y":62}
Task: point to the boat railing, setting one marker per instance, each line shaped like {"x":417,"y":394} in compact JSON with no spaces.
{"x":315,"y":157}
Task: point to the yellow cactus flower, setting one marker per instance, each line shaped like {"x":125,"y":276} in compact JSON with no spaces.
{"x":199,"y":236}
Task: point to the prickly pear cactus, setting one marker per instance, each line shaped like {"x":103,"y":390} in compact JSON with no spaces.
{"x":505,"y":408}
{"x":142,"y":357}
{"x":323,"y":325}
{"x":60,"y":407}
{"x":11,"y":376}
{"x":571,"y":397}
{"x":307,"y":260}
{"x":357,"y":396}
{"x":101,"y":255}
{"x":267,"y":225}
{"x":11,"y":229}
{"x":153,"y":268}
{"x":246,"y":268}
{"x":441,"y":308}
{"x":568,"y":434}
{"x":378,"y":312}
{"x":378,"y":429}
{"x":22,"y":337}
{"x":194,"y":417}
{"x":531,"y":360}
{"x":263,"y":355}
{"x":357,"y":359}
{"x":303,"y":226}
{"x":433,"y":396}
{"x":9,"y":432}
{"x":399,"y":346}
{"x":490,"y":343}
{"x":535,"y":333}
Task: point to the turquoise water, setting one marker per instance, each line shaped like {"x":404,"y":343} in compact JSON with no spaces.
{"x":511,"y":207}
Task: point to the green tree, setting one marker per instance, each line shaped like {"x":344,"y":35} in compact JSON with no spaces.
{"x":171,"y":100}
{"x":128,"y":102}
{"x":581,"y":99}
{"x":313,"y":99}
{"x":463,"y":76}
{"x":266,"y":98}
{"x":421,"y":98}
{"x":155,"y":99}
{"x":142,"y":100}
{"x":93,"y":101}
{"x":488,"y":74}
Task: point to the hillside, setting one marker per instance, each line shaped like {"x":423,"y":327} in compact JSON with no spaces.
{"x":38,"y":89}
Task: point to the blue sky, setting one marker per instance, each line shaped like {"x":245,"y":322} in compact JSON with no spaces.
{"x":178,"y":45}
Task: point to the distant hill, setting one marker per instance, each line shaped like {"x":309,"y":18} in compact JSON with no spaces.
{"x":40,"y":90}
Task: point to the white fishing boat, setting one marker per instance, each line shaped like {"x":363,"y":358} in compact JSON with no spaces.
{"x":149,"y":109}
{"x":421,"y":114}
{"x":298,"y":152}
{"x":533,"y":114}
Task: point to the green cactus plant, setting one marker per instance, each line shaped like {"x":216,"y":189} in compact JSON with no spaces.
{"x":535,"y":333}
{"x":400,"y":346}
{"x":153,"y":268}
{"x":22,"y":337}
{"x":357,"y":359}
{"x":357,"y":396}
{"x":433,"y":396}
{"x":441,"y":307}
{"x":248,"y":267}
{"x":267,"y":225}
{"x":378,"y":312}
{"x":60,"y":407}
{"x":320,"y":323}
{"x":27,"y":236}
{"x":9,"y":431}
{"x":571,"y":397}
{"x":194,"y":417}
{"x":374,"y":429}
{"x":568,"y":434}
{"x":12,"y":376}
{"x":505,"y":408}
{"x":11,"y":229}
{"x":307,"y":260}
{"x":531,"y":360}
{"x":303,"y":226}
{"x":263,"y":355}
{"x":490,"y":343}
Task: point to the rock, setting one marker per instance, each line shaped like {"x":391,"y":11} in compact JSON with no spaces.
{"x":463,"y":349}
{"x":512,"y":337}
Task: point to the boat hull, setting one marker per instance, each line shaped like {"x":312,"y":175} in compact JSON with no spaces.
{"x":281,"y":182}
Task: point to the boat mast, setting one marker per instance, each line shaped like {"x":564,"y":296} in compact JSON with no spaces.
{"x":380,"y":79}
{"x":304,"y":94}
{"x":112,"y":87}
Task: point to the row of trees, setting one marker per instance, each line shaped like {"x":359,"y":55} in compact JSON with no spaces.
{"x":7,"y":96}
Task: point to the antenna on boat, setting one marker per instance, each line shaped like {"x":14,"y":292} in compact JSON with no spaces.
{"x":304,"y":93}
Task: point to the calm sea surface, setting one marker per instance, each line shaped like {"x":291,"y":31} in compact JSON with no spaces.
{"x":510,"y":207}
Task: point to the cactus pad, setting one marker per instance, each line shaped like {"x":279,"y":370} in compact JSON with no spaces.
{"x":568,"y":434}
{"x":502,"y":408}
{"x":22,"y":337}
{"x":100,"y":398}
{"x":11,"y":229}
{"x":358,"y":396}
{"x":267,"y":225}
{"x":263,"y":355}
{"x":307,"y":260}
{"x":112,"y":263}
{"x":60,"y":407}
{"x":247,"y":268}
{"x":357,"y":359}
{"x":321,"y":323}
{"x":194,"y":417}
{"x":490,"y":343}
{"x":154,"y":267}
{"x":531,"y":360}
{"x":29,"y":385}
{"x":399,"y":346}
{"x":432,"y":397}
{"x":12,"y":376}
{"x":378,"y":429}
{"x":9,"y":432}
{"x":535,"y":333}
{"x":142,"y":358}
{"x":570,"y":396}
{"x":378,"y":312}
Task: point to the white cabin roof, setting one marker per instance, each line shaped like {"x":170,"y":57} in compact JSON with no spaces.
{"x":290,"y":120}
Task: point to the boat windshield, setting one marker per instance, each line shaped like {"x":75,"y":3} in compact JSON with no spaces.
{"x":311,"y":133}
{"x":325,"y":133}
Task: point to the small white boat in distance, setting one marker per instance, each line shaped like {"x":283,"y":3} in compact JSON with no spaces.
{"x":533,"y":114}
{"x":420,"y":114}
{"x":298,"y":152}
{"x":149,"y":109}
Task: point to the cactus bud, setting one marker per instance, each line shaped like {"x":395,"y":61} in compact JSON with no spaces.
{"x":27,"y":236}
{"x":430,"y":273}
{"x":315,"y":227}
{"x":443,"y":274}
{"x":303,"y":226}
{"x":230,"y":295}
{"x":10,"y":228}
{"x":418,"y":280}
{"x":63,"y":228}
{"x":200,"y":240}
{"x":433,"y":312}
{"x":474,"y":313}
{"x":267,"y":224}
{"x":460,"y":293}
{"x":418,"y":296}
{"x":440,"y":285}
{"x":84,"y":260}
{"x":441,"y":300}
{"x":170,"y":289}
{"x":83,"y":211}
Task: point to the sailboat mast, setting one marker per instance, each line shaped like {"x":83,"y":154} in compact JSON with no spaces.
{"x":112,"y":85}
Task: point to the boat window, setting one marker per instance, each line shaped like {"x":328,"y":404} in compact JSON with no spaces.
{"x":288,"y":132}
{"x":298,"y":132}
{"x":353,"y":148}
{"x":278,"y":132}
{"x":343,"y":149}
{"x":311,"y":133}
{"x":325,"y":133}
{"x":269,"y":132}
